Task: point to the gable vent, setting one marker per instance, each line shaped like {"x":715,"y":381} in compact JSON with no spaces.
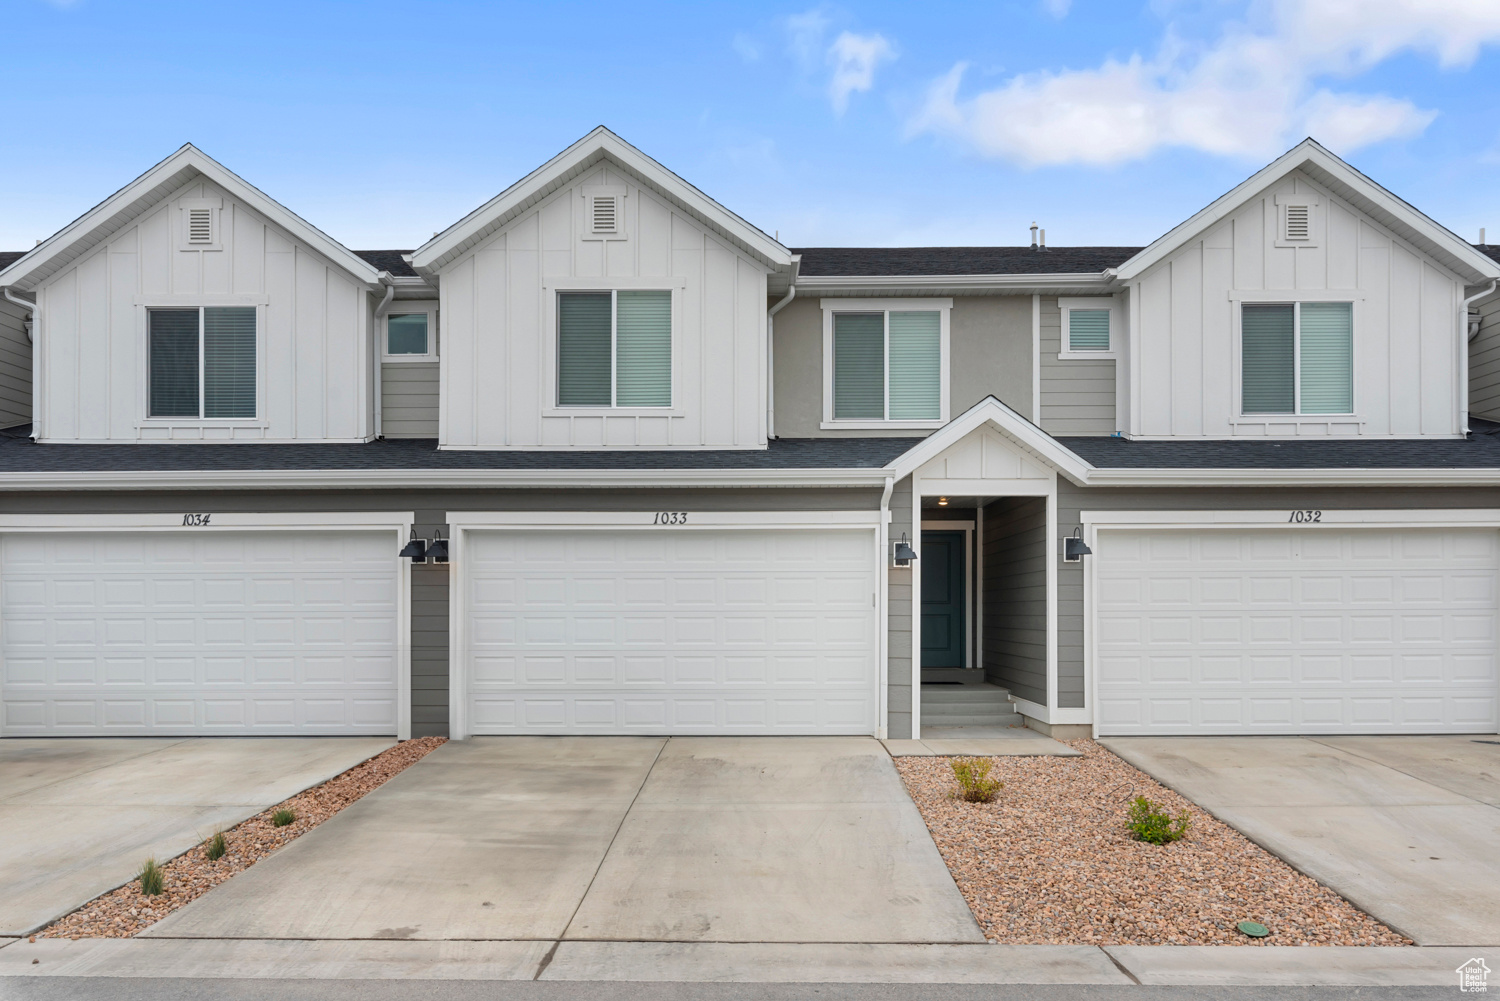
{"x":200,"y":226}
{"x":605,"y":220}
{"x":1298,"y":222}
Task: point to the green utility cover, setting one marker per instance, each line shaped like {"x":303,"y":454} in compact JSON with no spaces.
{"x":1254,"y":929}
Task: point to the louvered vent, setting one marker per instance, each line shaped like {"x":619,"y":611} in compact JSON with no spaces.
{"x":200,"y":226}
{"x":1297,"y":222}
{"x":604,"y":214}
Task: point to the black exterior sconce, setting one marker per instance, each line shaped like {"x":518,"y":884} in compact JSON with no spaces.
{"x":902,"y":553}
{"x":1074,"y":548}
{"x":415,"y":550}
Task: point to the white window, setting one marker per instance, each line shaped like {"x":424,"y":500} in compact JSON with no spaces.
{"x":614,"y":348}
{"x":1090,"y":326}
{"x":202,"y":362}
{"x":1296,"y":358}
{"x":411,"y":332}
{"x":885,"y":363}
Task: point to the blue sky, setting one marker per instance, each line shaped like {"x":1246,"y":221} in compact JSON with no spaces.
{"x":836,"y":124}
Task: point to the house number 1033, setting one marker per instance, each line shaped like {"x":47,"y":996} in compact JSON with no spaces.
{"x":670,"y":518}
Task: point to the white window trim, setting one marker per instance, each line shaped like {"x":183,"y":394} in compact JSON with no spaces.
{"x":555,"y":285}
{"x":215,"y":218}
{"x":943,"y":307}
{"x":1067,"y":305}
{"x":1296,"y":415}
{"x":143,"y":338}
{"x":586,"y":193}
{"x":410,"y":308}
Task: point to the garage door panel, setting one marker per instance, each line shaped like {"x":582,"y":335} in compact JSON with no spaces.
{"x":1375,"y":631}
{"x":147,"y":633}
{"x":679,"y":631}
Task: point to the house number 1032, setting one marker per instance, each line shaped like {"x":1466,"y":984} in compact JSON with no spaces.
{"x":670,"y":518}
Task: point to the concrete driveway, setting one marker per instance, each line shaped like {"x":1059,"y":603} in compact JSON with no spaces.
{"x":78,"y":815}
{"x":1407,"y":828}
{"x":692,"y":839}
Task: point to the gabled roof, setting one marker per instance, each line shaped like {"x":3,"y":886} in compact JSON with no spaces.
{"x":1396,"y":215}
{"x":140,"y":195}
{"x":991,"y":411}
{"x":576,"y":160}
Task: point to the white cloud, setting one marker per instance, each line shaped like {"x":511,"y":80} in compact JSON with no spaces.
{"x":1057,"y":8}
{"x":854,"y":58}
{"x":743,"y":44}
{"x":805,"y":33}
{"x":1249,"y":93}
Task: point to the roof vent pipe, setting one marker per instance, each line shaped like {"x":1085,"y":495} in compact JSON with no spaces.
{"x":1033,"y":236}
{"x":1043,"y":245}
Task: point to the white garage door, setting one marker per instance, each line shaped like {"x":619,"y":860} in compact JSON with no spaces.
{"x":212,"y":633}
{"x":1320,"y":630}
{"x":674,"y":631}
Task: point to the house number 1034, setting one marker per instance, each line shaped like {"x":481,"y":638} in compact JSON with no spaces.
{"x":195,"y":520}
{"x":670,"y":518}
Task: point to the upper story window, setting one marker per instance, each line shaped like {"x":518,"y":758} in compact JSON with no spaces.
{"x":1297,"y":358}
{"x":885,"y":362}
{"x":1088,"y":327}
{"x":411,"y":332}
{"x":202,"y":362}
{"x":614,"y":349}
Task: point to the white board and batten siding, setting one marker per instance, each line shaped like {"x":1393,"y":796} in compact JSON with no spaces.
{"x":313,"y":375}
{"x":1184,"y":357}
{"x":499,"y":381}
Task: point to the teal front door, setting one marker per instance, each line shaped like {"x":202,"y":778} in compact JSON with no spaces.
{"x":943,"y":599}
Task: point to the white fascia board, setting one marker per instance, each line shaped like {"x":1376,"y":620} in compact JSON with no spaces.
{"x":600,"y":142}
{"x":1293,"y":477}
{"x":974,"y":283}
{"x":485,"y":479}
{"x":177,"y":169}
{"x":991,"y":411}
{"x":1310,"y":152}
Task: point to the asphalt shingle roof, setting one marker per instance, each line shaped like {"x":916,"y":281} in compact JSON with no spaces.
{"x":388,"y":260}
{"x":19,"y":454}
{"x":1480,"y":451}
{"x":9,"y":257}
{"x":904,"y":261}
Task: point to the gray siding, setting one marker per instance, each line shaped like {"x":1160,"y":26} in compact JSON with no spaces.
{"x":1078,"y":394}
{"x":1484,"y":363}
{"x":1014,"y":617}
{"x":989,"y":355}
{"x":15,"y":367}
{"x":409,"y":399}
{"x":1071,"y":500}
{"x":429,"y":636}
{"x":898,"y":620}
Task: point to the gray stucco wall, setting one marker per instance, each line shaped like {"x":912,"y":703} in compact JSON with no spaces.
{"x":409,"y":399}
{"x":1484,"y":363}
{"x":430,"y":583}
{"x":989,"y":355}
{"x":1014,"y":620}
{"x":1078,"y":394}
{"x":1072,"y":500}
{"x":898,"y":622}
{"x":15,"y":367}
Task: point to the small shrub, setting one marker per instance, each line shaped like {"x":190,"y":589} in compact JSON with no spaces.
{"x":1149,"y":822}
{"x":282,"y":817}
{"x":153,"y":879}
{"x":216,"y":847}
{"x":973,"y":779}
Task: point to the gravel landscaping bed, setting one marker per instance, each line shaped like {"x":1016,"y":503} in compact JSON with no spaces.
{"x":1051,"y":861}
{"x":123,"y":912}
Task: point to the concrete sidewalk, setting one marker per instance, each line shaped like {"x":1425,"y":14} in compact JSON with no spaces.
{"x":78,"y":815}
{"x":1403,"y":827}
{"x":1186,"y":966}
{"x":754,"y":839}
